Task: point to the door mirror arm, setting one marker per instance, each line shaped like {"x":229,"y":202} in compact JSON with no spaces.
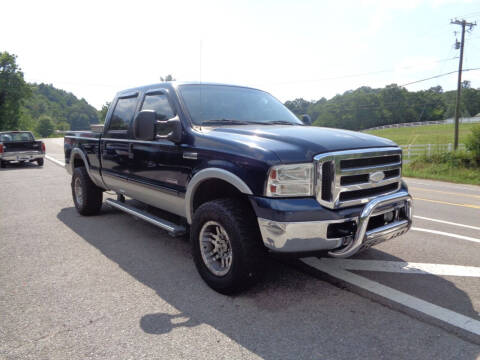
{"x":170,"y":130}
{"x":146,"y":126}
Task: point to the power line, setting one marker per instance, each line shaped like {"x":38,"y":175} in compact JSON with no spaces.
{"x":440,"y":75}
{"x":430,"y":78}
{"x":364,"y":74}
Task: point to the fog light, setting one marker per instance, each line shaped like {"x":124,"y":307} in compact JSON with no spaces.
{"x":388,"y":217}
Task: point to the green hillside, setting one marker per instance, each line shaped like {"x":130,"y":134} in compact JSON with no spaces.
{"x":366,"y":107}
{"x":428,"y":134}
{"x":66,"y":111}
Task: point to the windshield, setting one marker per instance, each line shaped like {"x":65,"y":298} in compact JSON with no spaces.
{"x":16,"y":136}
{"x":235,"y":105}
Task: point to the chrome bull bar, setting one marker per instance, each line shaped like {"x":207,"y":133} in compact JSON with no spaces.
{"x":364,"y":238}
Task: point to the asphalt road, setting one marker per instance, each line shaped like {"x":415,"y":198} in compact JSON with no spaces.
{"x":113,"y":287}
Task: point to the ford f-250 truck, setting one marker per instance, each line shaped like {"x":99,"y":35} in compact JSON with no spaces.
{"x":242,"y":174}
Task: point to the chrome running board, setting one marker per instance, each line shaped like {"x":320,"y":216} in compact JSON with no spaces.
{"x":171,"y":228}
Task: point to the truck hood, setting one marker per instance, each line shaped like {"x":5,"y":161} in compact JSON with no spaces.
{"x":297,"y":143}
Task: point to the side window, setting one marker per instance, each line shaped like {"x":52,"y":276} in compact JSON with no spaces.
{"x":123,"y":114}
{"x":159,"y":103}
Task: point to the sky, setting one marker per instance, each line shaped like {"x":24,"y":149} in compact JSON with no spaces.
{"x":292,"y":49}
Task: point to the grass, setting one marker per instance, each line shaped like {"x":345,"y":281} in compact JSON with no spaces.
{"x":453,"y":167}
{"x":443,"y":172}
{"x":428,"y":134}
{"x":459,"y":167}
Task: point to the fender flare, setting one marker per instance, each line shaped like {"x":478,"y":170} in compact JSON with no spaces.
{"x":76,"y":152}
{"x":207,"y":174}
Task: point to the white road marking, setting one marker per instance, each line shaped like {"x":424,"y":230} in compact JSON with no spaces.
{"x":468,"y":238}
{"x":405,"y":267}
{"x":435,"y":311}
{"x":60,"y":163}
{"x":447,"y":222}
{"x":444,"y":185}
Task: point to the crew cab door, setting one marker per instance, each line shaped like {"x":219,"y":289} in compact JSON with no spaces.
{"x":158,"y":173}
{"x":115,"y":144}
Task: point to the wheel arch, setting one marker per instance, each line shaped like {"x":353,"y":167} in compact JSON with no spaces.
{"x":218,"y":175}
{"x":78,"y":158}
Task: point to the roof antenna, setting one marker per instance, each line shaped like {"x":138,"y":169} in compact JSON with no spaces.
{"x":201,"y":107}
{"x":201,"y":61}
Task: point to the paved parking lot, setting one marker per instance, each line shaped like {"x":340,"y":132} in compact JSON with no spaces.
{"x":111,"y":286}
{"x":436,"y":263}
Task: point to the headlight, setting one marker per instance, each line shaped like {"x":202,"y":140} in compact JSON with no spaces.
{"x":290,"y":180}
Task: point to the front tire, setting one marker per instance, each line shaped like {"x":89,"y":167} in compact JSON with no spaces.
{"x":86,"y":195}
{"x":226,"y":245}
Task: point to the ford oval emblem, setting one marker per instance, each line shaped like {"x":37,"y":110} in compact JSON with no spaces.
{"x":376,"y":176}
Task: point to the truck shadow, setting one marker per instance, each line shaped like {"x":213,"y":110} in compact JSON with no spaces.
{"x":288,"y":315}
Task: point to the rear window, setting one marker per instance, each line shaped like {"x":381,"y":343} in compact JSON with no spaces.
{"x":16,"y":137}
{"x":123,"y":113}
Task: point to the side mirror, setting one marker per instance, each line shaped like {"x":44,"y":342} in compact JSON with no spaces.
{"x":306,"y":119}
{"x":144,"y":125}
{"x":147,"y":127}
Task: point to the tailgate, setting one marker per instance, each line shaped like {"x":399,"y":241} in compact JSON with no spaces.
{"x":22,"y":146}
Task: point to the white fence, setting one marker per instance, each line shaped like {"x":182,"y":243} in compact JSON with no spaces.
{"x":474,"y":119}
{"x":411,"y":151}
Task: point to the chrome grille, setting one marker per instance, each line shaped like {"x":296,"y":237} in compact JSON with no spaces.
{"x":354,"y":177}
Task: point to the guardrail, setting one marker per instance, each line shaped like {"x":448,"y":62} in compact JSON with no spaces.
{"x":411,"y":151}
{"x":475,"y":119}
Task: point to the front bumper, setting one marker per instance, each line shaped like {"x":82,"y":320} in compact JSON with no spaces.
{"x":21,"y":155}
{"x":346,"y":236}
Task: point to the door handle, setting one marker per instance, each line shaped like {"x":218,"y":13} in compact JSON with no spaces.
{"x":130,"y":151}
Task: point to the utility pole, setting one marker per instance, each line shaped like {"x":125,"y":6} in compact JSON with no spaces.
{"x":462,"y":23}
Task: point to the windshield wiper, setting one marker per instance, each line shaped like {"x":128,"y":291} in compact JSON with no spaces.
{"x":241,"y":122}
{"x":225,"y":121}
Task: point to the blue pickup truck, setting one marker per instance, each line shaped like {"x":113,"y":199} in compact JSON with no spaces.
{"x":234,"y":168}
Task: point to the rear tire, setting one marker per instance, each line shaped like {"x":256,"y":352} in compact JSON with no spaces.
{"x":226,"y":228}
{"x":3,"y":164}
{"x":86,"y":195}
{"x":40,"y":162}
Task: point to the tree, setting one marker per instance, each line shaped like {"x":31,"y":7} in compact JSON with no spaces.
{"x":63,"y":126}
{"x":471,"y":101}
{"x":473,"y":143}
{"x":298,"y":106}
{"x":366,"y":107}
{"x":169,"y":77}
{"x":102,"y":114}
{"x":436,"y":89}
{"x":26,"y":122}
{"x":59,"y":105}
{"x":79,"y":121}
{"x":13,"y":89}
{"x":45,"y":126}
